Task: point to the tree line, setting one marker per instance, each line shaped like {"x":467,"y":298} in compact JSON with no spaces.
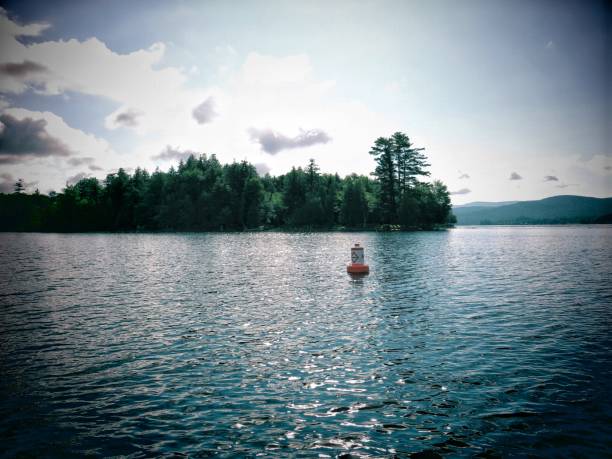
{"x":201,"y":194}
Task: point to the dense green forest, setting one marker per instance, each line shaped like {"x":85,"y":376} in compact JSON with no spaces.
{"x":203,"y":194}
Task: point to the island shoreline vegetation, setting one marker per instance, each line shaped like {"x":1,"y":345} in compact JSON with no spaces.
{"x":201,"y":194}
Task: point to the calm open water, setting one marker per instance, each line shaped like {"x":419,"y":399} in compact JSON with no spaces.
{"x":491,"y":341}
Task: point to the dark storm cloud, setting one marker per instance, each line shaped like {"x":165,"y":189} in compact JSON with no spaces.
{"x":461,"y":191}
{"x":515,"y":176}
{"x":464,"y":176}
{"x":25,"y":139}
{"x":128,"y":118}
{"x":17,"y":70}
{"x":174,"y":154}
{"x":551,"y":178}
{"x":75,"y":178}
{"x":205,"y":112}
{"x":272,"y":142}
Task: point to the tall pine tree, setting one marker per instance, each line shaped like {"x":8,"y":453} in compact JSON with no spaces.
{"x":385,"y":172}
{"x":409,"y":162}
{"x":398,"y":166}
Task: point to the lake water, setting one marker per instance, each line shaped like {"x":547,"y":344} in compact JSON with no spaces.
{"x":490,"y":341}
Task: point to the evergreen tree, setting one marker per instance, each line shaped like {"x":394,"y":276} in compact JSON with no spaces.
{"x":253,"y":195}
{"x":354,"y":203}
{"x":385,"y":172}
{"x":121,"y":212}
{"x":409,"y":210}
{"x":202,"y":194}
{"x":312,"y":174}
{"x":294,"y":193}
{"x":19,"y":186}
{"x":410,"y":163}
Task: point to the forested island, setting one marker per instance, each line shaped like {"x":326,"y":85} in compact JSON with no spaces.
{"x":201,"y":194}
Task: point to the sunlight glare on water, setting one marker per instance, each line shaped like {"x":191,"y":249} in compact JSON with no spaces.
{"x":492,"y":340}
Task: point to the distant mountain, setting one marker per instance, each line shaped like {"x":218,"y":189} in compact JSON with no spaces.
{"x":484,"y":204}
{"x":557,"y":209}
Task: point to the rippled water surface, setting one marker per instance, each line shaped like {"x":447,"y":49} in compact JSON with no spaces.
{"x":490,"y":341}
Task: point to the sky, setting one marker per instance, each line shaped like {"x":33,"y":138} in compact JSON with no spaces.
{"x":511,"y":100}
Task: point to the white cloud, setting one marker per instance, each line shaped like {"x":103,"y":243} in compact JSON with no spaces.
{"x":262,"y":168}
{"x":599,"y":164}
{"x":75,"y":178}
{"x":282,"y":94}
{"x":26,"y":139}
{"x":85,"y":161}
{"x":393,"y":87}
{"x":7,"y":183}
{"x":125,"y":117}
{"x":170,"y":154}
{"x":151,"y":98}
{"x":273,"y":142}
{"x":205,"y":112}
{"x":271,"y":71}
{"x":9,"y":28}
{"x":78,"y":141}
{"x":279,"y":93}
{"x":461,"y":191}
{"x":52,"y":171}
{"x":225,"y":50}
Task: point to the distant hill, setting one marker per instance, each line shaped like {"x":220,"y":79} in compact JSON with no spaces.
{"x":485,"y":204}
{"x":554,"y":210}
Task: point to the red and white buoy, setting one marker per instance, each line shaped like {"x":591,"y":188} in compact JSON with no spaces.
{"x":357,"y":264}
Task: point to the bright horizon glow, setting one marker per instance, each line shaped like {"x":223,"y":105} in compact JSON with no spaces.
{"x":511,"y":101}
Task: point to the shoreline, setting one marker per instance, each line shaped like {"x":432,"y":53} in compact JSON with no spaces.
{"x":320,"y":230}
